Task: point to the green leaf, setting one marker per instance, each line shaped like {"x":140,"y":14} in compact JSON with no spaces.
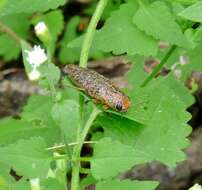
{"x":153,"y":18}
{"x":11,"y":130}
{"x":112,"y":157}
{"x":38,"y":108}
{"x":31,"y":6}
{"x":28,"y":157}
{"x":51,"y":184}
{"x":9,"y":48}
{"x":126,"y":184}
{"x":66,"y":115}
{"x":20,"y":185}
{"x":69,"y":55}
{"x":193,"y":12}
{"x":5,"y":177}
{"x":160,"y":114}
{"x":25,"y":48}
{"x":157,"y":107}
{"x":179,"y":89}
{"x":137,"y":75}
{"x":119,"y":129}
{"x":50,"y":75}
{"x":121,"y":35}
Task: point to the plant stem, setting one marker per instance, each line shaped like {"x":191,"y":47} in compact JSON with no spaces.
{"x":7,"y":30}
{"x":77,"y":149}
{"x":159,"y":66}
{"x":90,"y":33}
{"x":83,"y":63}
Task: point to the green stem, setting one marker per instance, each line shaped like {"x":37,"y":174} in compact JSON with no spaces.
{"x":77,"y":149}
{"x":12,"y":34}
{"x":159,"y":66}
{"x":90,"y":33}
{"x":83,"y":63}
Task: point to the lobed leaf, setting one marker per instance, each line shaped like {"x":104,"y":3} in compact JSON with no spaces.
{"x":121,"y":35}
{"x":163,"y":117}
{"x":112,"y":157}
{"x":156,"y":20}
{"x":12,"y":130}
{"x":28,"y":157}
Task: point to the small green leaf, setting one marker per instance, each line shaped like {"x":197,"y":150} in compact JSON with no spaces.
{"x":66,"y":115}
{"x":28,"y":157}
{"x":193,"y":12}
{"x":31,"y":6}
{"x":153,"y":18}
{"x":25,"y":48}
{"x":126,"y":184}
{"x":50,"y":75}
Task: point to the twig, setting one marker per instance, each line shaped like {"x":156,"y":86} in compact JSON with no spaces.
{"x":7,"y":30}
{"x":70,"y":144}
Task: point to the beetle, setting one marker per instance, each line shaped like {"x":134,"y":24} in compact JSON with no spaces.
{"x":98,"y":87}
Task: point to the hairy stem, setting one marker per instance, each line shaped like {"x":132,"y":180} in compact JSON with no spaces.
{"x":81,"y":134}
{"x":90,"y":33}
{"x":8,"y":31}
{"x":77,"y":149}
{"x":159,"y":66}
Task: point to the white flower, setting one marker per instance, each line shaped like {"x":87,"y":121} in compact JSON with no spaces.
{"x":35,"y":184}
{"x":34,"y":74}
{"x":40,"y":28}
{"x":36,"y":56}
{"x":196,"y":187}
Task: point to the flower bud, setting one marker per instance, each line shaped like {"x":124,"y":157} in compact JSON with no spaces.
{"x":42,"y":32}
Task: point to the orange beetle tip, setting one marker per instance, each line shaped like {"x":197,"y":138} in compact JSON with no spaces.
{"x":126,"y":103}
